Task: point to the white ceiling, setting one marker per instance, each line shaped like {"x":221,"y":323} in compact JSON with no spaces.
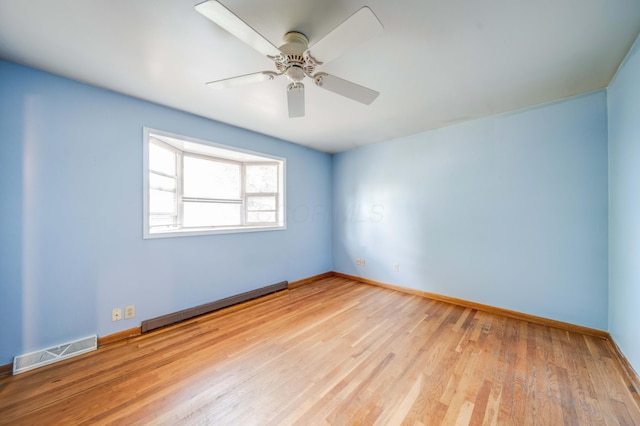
{"x":436,"y":63}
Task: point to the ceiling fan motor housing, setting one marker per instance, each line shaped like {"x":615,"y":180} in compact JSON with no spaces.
{"x":293,"y":62}
{"x":294,"y":43}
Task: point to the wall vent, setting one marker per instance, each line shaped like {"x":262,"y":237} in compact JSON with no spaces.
{"x":26,"y":362}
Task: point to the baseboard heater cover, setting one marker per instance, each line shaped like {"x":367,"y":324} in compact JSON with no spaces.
{"x":186,"y":314}
{"x":26,"y":362}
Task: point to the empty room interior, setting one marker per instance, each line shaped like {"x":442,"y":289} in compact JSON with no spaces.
{"x":299,"y":212}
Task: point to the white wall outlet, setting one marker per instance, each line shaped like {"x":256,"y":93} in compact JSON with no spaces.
{"x":360,"y":262}
{"x":129,"y":311}
{"x":396,"y":267}
{"x":116,"y":314}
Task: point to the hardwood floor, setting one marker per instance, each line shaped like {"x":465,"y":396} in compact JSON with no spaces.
{"x":334,"y":352}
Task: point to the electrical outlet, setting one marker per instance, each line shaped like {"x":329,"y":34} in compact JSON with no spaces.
{"x":116,"y":314}
{"x":396,"y":267}
{"x":360,"y":262}
{"x":129,"y":311}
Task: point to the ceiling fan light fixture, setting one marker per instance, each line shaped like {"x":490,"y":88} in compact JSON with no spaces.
{"x":295,"y":73}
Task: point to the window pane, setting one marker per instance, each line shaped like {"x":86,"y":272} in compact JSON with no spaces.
{"x":159,"y":181}
{"x":164,"y":221}
{"x":261,"y":203}
{"x":211,"y":214}
{"x":261,"y":217}
{"x":162,"y":160}
{"x":211,"y":179}
{"x":262,"y":178}
{"x":162,"y":201}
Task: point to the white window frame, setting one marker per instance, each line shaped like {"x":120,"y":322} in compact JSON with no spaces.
{"x":184,"y":146}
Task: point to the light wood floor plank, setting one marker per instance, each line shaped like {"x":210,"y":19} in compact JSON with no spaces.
{"x":334,"y":352}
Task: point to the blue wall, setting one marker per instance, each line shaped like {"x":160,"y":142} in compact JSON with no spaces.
{"x":624,"y":207}
{"x":71,"y":207}
{"x":509,"y":211}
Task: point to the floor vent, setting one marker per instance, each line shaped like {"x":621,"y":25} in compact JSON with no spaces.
{"x":36,"y":359}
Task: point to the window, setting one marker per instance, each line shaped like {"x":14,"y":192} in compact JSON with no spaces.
{"x":194,"y":187}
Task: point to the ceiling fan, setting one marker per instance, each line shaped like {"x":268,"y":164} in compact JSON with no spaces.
{"x":295,"y":59}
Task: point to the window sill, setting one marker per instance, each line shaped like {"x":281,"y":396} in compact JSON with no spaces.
{"x":211,"y":231}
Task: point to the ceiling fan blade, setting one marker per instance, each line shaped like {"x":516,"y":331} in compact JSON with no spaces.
{"x":357,"y":28}
{"x":345,"y":88}
{"x":295,"y":96}
{"x":242,"y":80}
{"x":225,"y":18}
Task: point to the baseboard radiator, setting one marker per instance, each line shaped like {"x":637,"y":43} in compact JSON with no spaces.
{"x":186,"y":314}
{"x":26,"y":362}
